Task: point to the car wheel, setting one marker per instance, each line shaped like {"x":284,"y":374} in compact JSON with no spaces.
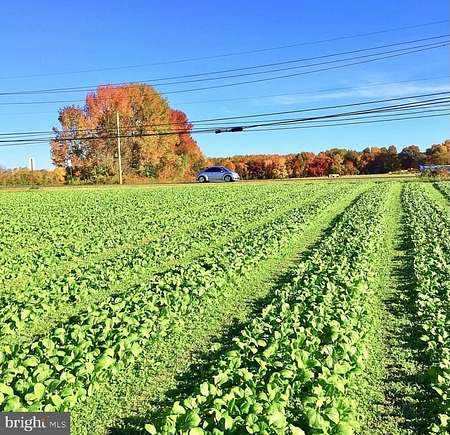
{"x":227,"y":178}
{"x":201,"y":179}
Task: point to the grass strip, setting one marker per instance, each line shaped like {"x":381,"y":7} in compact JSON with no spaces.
{"x":390,"y":393}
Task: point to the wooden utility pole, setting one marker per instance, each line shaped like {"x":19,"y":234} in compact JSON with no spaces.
{"x":118,"y":148}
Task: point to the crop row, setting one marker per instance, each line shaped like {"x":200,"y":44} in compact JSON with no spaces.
{"x":444,"y":188}
{"x":429,"y":233}
{"x":63,"y":367}
{"x":43,"y":295}
{"x":290,"y":369}
{"x":79,"y":213}
{"x":66,"y":225}
{"x":34,"y":240}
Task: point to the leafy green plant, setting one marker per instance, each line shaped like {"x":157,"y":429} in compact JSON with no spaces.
{"x":444,"y":187}
{"x":44,"y":291}
{"x":429,"y":229}
{"x":106,"y":336}
{"x":289,"y":371}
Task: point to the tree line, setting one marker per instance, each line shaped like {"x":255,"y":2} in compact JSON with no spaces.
{"x":372,"y":160}
{"x":84,"y":147}
{"x":142,"y":110}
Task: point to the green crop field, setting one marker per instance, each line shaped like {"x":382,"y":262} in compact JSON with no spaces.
{"x":244,"y":308}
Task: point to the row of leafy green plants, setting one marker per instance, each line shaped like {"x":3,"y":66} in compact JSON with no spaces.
{"x":428,"y":227}
{"x":137,"y":224}
{"x":444,"y":188}
{"x":49,"y":230}
{"x":291,"y":369}
{"x":62,"y":368}
{"x":43,"y":296}
{"x":46,"y":226}
{"x":60,"y":245}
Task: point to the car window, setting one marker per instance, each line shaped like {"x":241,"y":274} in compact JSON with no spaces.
{"x":211,"y":170}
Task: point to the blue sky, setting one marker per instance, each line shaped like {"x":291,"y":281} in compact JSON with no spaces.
{"x":42,"y":41}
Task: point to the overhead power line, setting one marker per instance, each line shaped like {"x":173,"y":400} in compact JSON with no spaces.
{"x":313,"y":91}
{"x":333,"y":61}
{"x":291,"y":61}
{"x":440,"y":105}
{"x":404,"y":107}
{"x":297,"y":120}
{"x":266,"y":65}
{"x":334,"y":115}
{"x":238,"y":118}
{"x":347,"y":123}
{"x":34,"y":143}
{"x":254,"y":97}
{"x":335,"y":106}
{"x":234,"y":53}
{"x":227,"y":85}
{"x":201,"y":78}
{"x":410,"y":111}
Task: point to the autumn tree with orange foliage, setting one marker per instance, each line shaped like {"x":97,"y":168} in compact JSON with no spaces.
{"x":439,"y":154}
{"x":86,"y":141}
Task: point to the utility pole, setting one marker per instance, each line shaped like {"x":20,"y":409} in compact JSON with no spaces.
{"x":118,"y":148}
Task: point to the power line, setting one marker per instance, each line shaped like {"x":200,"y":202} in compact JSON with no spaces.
{"x":432,"y":45}
{"x":303,"y":73}
{"x":291,"y":61}
{"x":398,"y":52}
{"x":336,"y":106}
{"x":257,"y":115}
{"x":34,"y":143}
{"x":13,"y":103}
{"x":254,"y":97}
{"x":428,"y":106}
{"x":438,"y":95}
{"x":411,"y":111}
{"x":313,"y":91}
{"x":273,"y":64}
{"x":325,"y":118}
{"x":380,"y":109}
{"x":346,"y":123}
{"x":328,"y":116}
{"x":237,"y":53}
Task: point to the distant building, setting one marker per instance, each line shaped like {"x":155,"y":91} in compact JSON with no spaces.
{"x":433,"y":168}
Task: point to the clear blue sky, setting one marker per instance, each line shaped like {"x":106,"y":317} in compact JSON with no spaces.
{"x":45,"y":37}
